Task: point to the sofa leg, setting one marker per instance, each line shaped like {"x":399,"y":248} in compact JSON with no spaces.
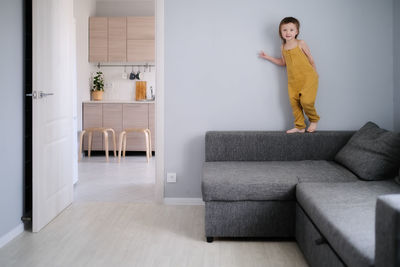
{"x":210,"y":239}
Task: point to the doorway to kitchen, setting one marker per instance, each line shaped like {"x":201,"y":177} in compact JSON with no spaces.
{"x":116,"y":58}
{"x":44,"y":178}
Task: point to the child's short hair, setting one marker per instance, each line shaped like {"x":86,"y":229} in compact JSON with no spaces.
{"x":286,"y":21}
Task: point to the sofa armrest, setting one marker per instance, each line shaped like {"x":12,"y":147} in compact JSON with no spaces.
{"x":387,"y":231}
{"x":267,"y":146}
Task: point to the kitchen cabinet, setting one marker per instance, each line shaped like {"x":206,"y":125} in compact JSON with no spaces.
{"x":135,"y":116}
{"x":121,"y":39}
{"x":140,"y":50}
{"x":141,"y":39}
{"x":98,"y":39}
{"x":92,"y":117}
{"x":152,"y":124}
{"x":117,"y":39}
{"x":119,"y":116}
{"x":112,"y":119}
{"x":141,"y":28}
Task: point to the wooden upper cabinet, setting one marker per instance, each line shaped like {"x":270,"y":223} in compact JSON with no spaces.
{"x":141,"y":50}
{"x":117,"y":39}
{"x":98,"y":39}
{"x":121,"y":39}
{"x":141,"y":35}
{"x":141,"y":28}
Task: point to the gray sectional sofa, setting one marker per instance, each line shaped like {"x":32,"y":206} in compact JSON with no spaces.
{"x":275,"y":185}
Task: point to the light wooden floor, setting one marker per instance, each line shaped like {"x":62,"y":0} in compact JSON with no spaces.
{"x":101,"y":228}
{"x":139,"y":234}
{"x":132,"y":180}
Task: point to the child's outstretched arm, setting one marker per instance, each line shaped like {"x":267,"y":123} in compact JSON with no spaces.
{"x":277,"y":61}
{"x":307,"y":52}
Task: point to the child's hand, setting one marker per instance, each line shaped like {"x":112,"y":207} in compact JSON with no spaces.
{"x":277,"y":61}
{"x":263,"y":55}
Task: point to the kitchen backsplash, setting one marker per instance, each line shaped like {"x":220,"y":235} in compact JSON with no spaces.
{"x":118,"y":86}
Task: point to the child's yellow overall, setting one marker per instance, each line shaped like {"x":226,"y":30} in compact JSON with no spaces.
{"x":302,"y":86}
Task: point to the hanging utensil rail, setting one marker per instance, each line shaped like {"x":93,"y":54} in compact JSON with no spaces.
{"x":125,"y":65}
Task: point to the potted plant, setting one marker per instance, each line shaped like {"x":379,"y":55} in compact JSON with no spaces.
{"x":98,"y":86}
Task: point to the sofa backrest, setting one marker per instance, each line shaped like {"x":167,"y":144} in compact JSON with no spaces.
{"x":268,"y":146}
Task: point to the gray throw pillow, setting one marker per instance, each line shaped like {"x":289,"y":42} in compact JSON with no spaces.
{"x":372,"y":153}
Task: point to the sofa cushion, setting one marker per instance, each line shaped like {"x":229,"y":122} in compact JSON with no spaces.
{"x":345,"y":215}
{"x":372,"y":153}
{"x":323,"y":171}
{"x":273,"y":146}
{"x":267,"y":180}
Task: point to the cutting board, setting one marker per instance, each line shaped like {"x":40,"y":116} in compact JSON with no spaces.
{"x":141,"y":87}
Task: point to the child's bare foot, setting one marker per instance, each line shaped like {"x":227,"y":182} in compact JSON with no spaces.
{"x":295,"y":130}
{"x":313,"y":127}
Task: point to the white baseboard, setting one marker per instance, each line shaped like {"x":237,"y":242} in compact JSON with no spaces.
{"x":183,"y":201}
{"x":11,"y":235}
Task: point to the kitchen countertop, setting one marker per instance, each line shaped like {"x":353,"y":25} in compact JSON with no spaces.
{"x":119,"y":101}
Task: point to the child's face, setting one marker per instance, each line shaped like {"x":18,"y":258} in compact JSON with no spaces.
{"x":289,"y":31}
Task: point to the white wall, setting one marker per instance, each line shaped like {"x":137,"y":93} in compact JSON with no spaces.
{"x":396,"y":65}
{"x":214,"y":80}
{"x":82,"y":11}
{"x":118,"y":88}
{"x":11,"y":117}
{"x":125,"y":8}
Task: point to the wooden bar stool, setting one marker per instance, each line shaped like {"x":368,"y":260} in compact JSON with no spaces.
{"x":105,"y":134}
{"x":122,"y":141}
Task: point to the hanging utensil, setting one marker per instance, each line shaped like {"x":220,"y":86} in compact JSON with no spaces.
{"x":132,"y":75}
{"x":125,"y":74}
{"x":139,"y":75}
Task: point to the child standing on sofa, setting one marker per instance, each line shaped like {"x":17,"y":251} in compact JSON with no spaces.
{"x":301,"y":72}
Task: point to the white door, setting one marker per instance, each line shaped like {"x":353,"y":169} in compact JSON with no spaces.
{"x":52,"y":114}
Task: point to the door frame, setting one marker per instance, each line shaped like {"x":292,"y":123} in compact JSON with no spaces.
{"x":159,"y":102}
{"x":160,"y":184}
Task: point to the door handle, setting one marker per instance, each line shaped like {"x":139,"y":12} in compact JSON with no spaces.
{"x":42,"y":94}
{"x":33,"y":94}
